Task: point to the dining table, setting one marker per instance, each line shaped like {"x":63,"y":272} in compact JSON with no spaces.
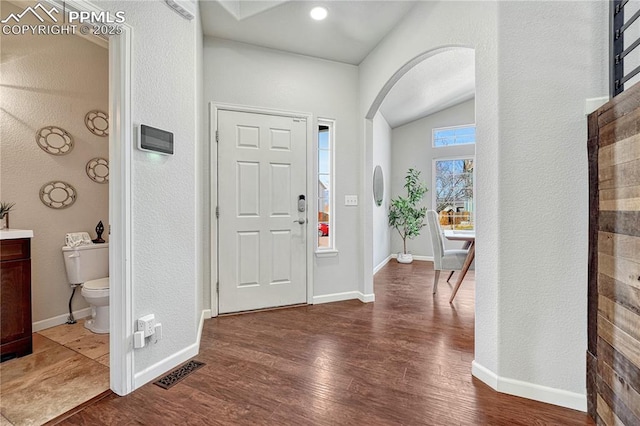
{"x":469,"y":236}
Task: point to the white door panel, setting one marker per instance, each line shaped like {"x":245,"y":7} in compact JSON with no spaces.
{"x":261,"y":245}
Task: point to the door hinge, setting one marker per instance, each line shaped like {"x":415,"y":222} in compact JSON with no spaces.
{"x":217,"y":212}
{"x":217,"y":136}
{"x":217,"y":287}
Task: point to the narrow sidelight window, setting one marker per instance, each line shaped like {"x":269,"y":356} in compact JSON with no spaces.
{"x":326,"y":137}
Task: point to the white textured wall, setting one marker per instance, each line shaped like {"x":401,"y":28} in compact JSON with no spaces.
{"x":412,"y":146}
{"x":429,"y":26}
{"x":382,"y":158}
{"x":531,"y":159}
{"x":164,"y":188}
{"x":45,"y":81}
{"x":547,"y":69}
{"x":242,"y":74}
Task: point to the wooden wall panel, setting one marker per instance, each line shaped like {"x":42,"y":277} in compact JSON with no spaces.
{"x":611,"y":402}
{"x":622,"y":294}
{"x":605,"y":415}
{"x":621,"y":152}
{"x":625,"y":319}
{"x":620,"y":175}
{"x":626,"y":393}
{"x":624,"y":369}
{"x":621,"y":341}
{"x":626,"y":124}
{"x":625,"y":246}
{"x":619,"y":268}
{"x":613,"y":357}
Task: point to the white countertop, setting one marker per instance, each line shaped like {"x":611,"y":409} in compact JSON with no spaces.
{"x":14,"y":234}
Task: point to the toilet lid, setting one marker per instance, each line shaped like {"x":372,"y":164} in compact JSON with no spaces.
{"x":99,"y":284}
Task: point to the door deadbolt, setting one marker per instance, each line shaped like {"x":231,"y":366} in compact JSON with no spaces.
{"x":302,"y":203}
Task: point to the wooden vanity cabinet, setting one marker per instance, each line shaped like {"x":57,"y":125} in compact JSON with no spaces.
{"x":15,"y":298}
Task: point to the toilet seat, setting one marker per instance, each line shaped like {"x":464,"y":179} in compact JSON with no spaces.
{"x":96,"y":288}
{"x":99,"y":284}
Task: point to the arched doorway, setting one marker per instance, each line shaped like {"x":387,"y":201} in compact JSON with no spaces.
{"x":433,"y":81}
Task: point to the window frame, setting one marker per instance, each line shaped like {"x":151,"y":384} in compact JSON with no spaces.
{"x":434,"y":193}
{"x":461,"y":126}
{"x":331,"y":249}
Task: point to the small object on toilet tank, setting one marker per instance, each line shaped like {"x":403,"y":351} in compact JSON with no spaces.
{"x":99,"y":231}
{"x":76,"y":239}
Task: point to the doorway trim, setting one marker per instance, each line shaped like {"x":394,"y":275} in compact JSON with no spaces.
{"x":312,"y":143}
{"x":121,"y":355}
{"x":120,"y":214}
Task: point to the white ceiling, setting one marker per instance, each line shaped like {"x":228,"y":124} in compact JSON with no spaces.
{"x":351,"y":30}
{"x":439,"y":82}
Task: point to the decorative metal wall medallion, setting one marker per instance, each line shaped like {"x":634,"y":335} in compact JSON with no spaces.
{"x":97,"y":122}
{"x":54,"y":140}
{"x":98,"y":170}
{"x":57,"y":194}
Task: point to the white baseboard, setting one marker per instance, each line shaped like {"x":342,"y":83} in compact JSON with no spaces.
{"x":562,"y":398}
{"x":335,"y":297}
{"x":206,"y":314}
{"x":366,"y":298}
{"x":382,"y":264}
{"x":347,"y":295}
{"x":417,"y":257}
{"x":60,"y":319}
{"x":485,"y":375}
{"x":148,"y":374}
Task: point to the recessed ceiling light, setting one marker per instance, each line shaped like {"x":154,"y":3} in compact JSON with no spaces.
{"x":318,"y":13}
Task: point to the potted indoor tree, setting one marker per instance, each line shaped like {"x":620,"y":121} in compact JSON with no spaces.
{"x":406,"y":214}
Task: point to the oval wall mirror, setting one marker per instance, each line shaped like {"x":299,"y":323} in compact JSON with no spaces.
{"x":378,"y":185}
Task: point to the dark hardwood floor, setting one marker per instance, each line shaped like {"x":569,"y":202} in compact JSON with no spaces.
{"x":403,"y":360}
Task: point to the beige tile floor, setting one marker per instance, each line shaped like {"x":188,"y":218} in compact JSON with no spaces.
{"x":69,"y":366}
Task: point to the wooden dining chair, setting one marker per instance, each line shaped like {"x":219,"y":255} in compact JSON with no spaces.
{"x":443,"y":260}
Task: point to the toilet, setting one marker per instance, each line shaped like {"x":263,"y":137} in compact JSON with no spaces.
{"x":89,"y":265}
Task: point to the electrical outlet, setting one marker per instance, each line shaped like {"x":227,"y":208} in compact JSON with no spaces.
{"x":146,"y":324}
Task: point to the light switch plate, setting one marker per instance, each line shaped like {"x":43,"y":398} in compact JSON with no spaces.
{"x":350,"y":200}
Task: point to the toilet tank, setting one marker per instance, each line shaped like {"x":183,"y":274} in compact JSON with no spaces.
{"x":85,"y":263}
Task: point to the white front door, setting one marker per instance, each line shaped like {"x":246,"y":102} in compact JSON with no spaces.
{"x":261,"y":233}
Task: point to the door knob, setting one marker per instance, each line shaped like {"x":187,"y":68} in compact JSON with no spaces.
{"x":300,"y":221}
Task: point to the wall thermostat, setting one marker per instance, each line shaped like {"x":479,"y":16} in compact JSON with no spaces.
{"x":155,"y":140}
